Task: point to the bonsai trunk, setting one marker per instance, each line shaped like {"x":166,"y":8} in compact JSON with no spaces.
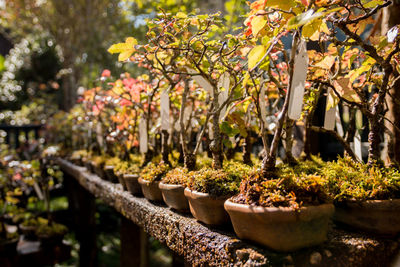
{"x":247,"y":146}
{"x":164,"y":147}
{"x":289,"y":142}
{"x":269,"y":161}
{"x":216,"y":144}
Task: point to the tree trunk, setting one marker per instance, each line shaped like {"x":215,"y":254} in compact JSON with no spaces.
{"x":247,"y":147}
{"x":391,"y":17}
{"x":69,"y":92}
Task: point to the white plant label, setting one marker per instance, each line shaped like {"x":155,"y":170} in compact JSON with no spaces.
{"x":357,"y":146}
{"x":339,"y":126}
{"x":201,"y":81}
{"x":330,"y":114}
{"x":38,"y":190}
{"x":99,"y":135}
{"x":143,"y":138}
{"x":164,"y":99}
{"x":263,"y":110}
{"x":223,"y":86}
{"x":298,"y":82}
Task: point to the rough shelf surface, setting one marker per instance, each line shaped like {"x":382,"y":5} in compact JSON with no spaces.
{"x":205,"y":246}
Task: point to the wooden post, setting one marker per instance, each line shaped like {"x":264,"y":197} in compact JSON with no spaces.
{"x":83,"y":208}
{"x":134,"y":245}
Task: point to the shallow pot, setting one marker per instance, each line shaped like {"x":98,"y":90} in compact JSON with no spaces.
{"x":150,"y":190}
{"x":98,"y":169}
{"x":375,"y":216}
{"x":29,"y":232}
{"x":207,"y":209}
{"x":120,"y":177}
{"x":281,"y":228}
{"x":174,"y":196}
{"x":132,"y":184}
{"x":51,"y":240}
{"x":109,"y":171}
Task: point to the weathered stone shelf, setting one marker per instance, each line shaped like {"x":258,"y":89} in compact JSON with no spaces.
{"x":202,"y":245}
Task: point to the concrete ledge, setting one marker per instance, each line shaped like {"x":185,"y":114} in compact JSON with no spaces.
{"x":205,"y":246}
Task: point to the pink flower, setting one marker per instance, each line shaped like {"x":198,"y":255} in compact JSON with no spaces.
{"x":106,"y":73}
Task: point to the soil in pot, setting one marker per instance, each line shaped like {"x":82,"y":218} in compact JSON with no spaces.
{"x":174,"y":196}
{"x":150,"y":190}
{"x":132,"y":184}
{"x":380,"y":217}
{"x":206,"y":208}
{"x":281,"y":228}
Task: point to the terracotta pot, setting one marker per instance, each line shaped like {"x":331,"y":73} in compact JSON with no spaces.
{"x":174,"y":196}
{"x":109,"y":171}
{"x":375,"y":216}
{"x":150,"y":190}
{"x":132,"y":183}
{"x":281,"y":228}
{"x":120,"y":177}
{"x":29,"y":232}
{"x":89,"y":167}
{"x":207,"y":209}
{"x":98,"y":169}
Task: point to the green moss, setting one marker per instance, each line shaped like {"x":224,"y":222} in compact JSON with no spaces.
{"x":349,"y":180}
{"x":223,"y":182}
{"x":176,"y":176}
{"x":51,"y":229}
{"x":154,"y":172}
{"x":79,"y":154}
{"x":112,"y":161}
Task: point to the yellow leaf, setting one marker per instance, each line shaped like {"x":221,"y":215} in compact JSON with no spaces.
{"x":345,"y":89}
{"x":257,"y":24}
{"x":125,"y":49}
{"x":326,"y":63}
{"x":181,"y":15}
{"x":255,"y":56}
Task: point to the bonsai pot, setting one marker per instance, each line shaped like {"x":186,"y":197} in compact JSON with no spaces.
{"x":150,"y":190}
{"x":376,"y":216}
{"x":132,"y":184}
{"x":89,"y":167}
{"x":281,"y":228}
{"x":207,"y":209}
{"x":97,"y":168}
{"x":109,"y":171}
{"x":174,"y":196}
{"x":51,"y":240}
{"x":120,"y":177}
{"x":29,"y":232}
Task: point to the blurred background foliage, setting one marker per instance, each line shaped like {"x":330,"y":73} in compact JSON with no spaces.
{"x":61,"y":45}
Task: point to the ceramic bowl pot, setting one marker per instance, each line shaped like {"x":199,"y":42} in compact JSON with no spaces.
{"x":132,"y":184}
{"x":174,"y":196}
{"x":120,"y":177}
{"x":375,"y":216}
{"x":281,"y":228}
{"x":207,"y":209}
{"x":150,"y":190}
{"x":109,"y":171}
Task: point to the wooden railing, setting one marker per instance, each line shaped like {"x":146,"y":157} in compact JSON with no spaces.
{"x":201,"y":245}
{"x":17,"y":130}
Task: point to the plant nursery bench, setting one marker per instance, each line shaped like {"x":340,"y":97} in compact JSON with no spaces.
{"x":201,"y":245}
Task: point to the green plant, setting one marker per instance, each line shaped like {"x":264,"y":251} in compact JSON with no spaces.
{"x":153,"y":172}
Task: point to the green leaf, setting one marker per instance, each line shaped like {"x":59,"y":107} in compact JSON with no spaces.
{"x":255,"y":55}
{"x":2,"y":67}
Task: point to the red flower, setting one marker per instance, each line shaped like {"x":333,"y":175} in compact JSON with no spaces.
{"x":106,"y":73}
